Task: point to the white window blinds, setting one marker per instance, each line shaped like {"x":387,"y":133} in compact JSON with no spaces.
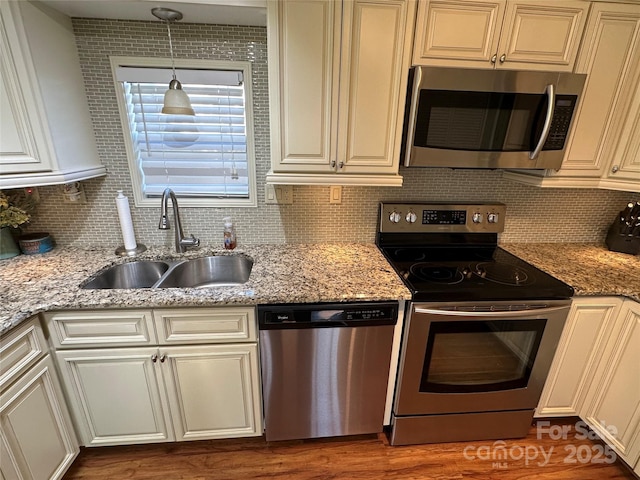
{"x":201,"y":156}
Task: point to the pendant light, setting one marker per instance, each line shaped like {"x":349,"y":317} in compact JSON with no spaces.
{"x":176,"y":101}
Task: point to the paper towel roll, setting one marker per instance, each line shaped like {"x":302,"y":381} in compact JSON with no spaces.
{"x":126,"y":224}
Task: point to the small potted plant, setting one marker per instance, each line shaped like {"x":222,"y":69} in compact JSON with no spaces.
{"x":13,"y":213}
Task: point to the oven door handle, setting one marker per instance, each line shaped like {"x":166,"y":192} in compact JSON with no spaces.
{"x":551,"y":103}
{"x":543,"y":310}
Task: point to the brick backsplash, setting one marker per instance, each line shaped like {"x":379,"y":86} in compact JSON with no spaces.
{"x":533,"y":214}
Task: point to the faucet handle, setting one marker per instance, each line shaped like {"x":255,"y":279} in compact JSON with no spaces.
{"x":191,"y":241}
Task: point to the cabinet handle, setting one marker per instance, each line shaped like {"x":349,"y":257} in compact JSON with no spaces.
{"x":494,"y":58}
{"x":154,"y":358}
{"x":340,"y":165}
{"x":615,"y":169}
{"x":333,"y":164}
{"x":503,"y":57}
{"x":163,"y":357}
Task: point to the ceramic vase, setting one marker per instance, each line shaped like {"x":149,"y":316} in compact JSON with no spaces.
{"x":8,"y":246}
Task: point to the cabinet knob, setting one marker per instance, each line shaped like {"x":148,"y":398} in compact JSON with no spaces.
{"x":333,"y":164}
{"x":154,"y":358}
{"x":503,"y":57}
{"x":494,"y":58}
{"x":340,"y":165}
{"x":163,"y":357}
{"x":615,"y":169}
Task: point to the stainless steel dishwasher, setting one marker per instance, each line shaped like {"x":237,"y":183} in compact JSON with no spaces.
{"x":325,"y":367}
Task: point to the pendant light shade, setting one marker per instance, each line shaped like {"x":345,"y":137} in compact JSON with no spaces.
{"x":176,"y":101}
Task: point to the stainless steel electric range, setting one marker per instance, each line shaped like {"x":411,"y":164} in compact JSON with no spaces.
{"x":481,"y":329}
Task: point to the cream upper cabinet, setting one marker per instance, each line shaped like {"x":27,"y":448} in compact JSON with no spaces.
{"x":338,"y":74}
{"x":602,"y":149}
{"x":47,"y":137}
{"x":612,"y":408}
{"x":624,"y":168}
{"x":513,"y":34}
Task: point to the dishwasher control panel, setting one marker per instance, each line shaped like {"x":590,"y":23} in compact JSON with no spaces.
{"x":327,"y":315}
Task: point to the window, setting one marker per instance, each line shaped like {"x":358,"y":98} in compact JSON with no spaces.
{"x":207,"y":160}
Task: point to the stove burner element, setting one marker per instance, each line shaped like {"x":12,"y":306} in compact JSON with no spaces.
{"x":502,"y":273}
{"x":433,"y":272}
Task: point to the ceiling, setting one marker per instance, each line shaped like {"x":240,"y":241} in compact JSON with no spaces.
{"x":227,"y":12}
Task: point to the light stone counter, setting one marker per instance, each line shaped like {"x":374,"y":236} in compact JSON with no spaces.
{"x":288,"y":273}
{"x":589,"y":269}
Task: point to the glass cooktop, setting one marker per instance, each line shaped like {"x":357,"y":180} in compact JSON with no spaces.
{"x":468,"y":274}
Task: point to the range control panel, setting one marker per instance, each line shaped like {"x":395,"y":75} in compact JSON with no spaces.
{"x":436,"y":217}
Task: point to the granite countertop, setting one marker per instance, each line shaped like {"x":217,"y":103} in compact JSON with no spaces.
{"x":589,"y":269}
{"x":284,"y":273}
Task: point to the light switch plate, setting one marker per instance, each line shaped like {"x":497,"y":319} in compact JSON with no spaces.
{"x":335,"y":194}
{"x":278,"y":194}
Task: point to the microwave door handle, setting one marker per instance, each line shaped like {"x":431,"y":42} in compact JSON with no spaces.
{"x":551,"y":103}
{"x":413,"y":113}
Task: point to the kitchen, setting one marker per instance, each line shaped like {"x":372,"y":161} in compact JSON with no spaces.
{"x":534,"y":215}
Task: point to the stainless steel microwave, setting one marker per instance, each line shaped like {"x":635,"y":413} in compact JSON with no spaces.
{"x":463,"y":118}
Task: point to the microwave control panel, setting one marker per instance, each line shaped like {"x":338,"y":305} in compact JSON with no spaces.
{"x":435,"y":217}
{"x":561,"y":121}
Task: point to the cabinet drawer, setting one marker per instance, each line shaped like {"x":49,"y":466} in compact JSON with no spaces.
{"x":206,"y":325}
{"x":20,"y":349}
{"x":101,"y":328}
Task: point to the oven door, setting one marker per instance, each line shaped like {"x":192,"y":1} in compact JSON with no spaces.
{"x":466,"y":357}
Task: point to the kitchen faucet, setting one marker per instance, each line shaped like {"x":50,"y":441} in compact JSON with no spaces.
{"x":181,"y":242}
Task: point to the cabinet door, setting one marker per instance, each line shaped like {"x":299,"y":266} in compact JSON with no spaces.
{"x":610,"y":56}
{"x":613,"y":406}
{"x":588,"y":326}
{"x":24,"y":146}
{"x":623,"y":172}
{"x":116,"y":395}
{"x":457,"y":33}
{"x":374,"y":66}
{"x":541,"y":35}
{"x":36,"y":439}
{"x":303,"y":81}
{"x":214,"y":391}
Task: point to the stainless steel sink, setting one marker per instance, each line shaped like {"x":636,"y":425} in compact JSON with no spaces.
{"x":214,"y":271}
{"x":217,"y":271}
{"x":140,"y":274}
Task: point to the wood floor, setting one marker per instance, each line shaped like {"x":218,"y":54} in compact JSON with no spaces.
{"x":349,"y":458}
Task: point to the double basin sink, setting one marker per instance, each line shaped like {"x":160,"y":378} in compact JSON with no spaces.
{"x":213,"y":271}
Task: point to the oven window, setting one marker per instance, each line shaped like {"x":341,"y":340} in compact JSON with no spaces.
{"x":479,"y":121}
{"x":480,"y":356}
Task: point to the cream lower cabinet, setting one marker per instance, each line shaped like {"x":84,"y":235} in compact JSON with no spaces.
{"x":603,"y":149}
{"x":207,"y":388}
{"x":338,"y":73}
{"x":37,"y":440}
{"x":596,"y":372}
{"x":511,"y":34}
{"x":588,"y":326}
{"x":612,"y":407}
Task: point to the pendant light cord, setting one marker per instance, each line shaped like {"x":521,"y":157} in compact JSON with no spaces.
{"x":173,"y":66}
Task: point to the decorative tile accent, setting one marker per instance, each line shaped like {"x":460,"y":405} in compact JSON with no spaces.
{"x":533,"y":214}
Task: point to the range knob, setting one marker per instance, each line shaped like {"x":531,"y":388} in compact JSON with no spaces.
{"x":394,"y":217}
{"x":492,"y":218}
{"x":477,"y":217}
{"x":411,"y":217}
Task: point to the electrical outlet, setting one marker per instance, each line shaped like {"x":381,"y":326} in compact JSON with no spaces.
{"x":278,"y":194}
